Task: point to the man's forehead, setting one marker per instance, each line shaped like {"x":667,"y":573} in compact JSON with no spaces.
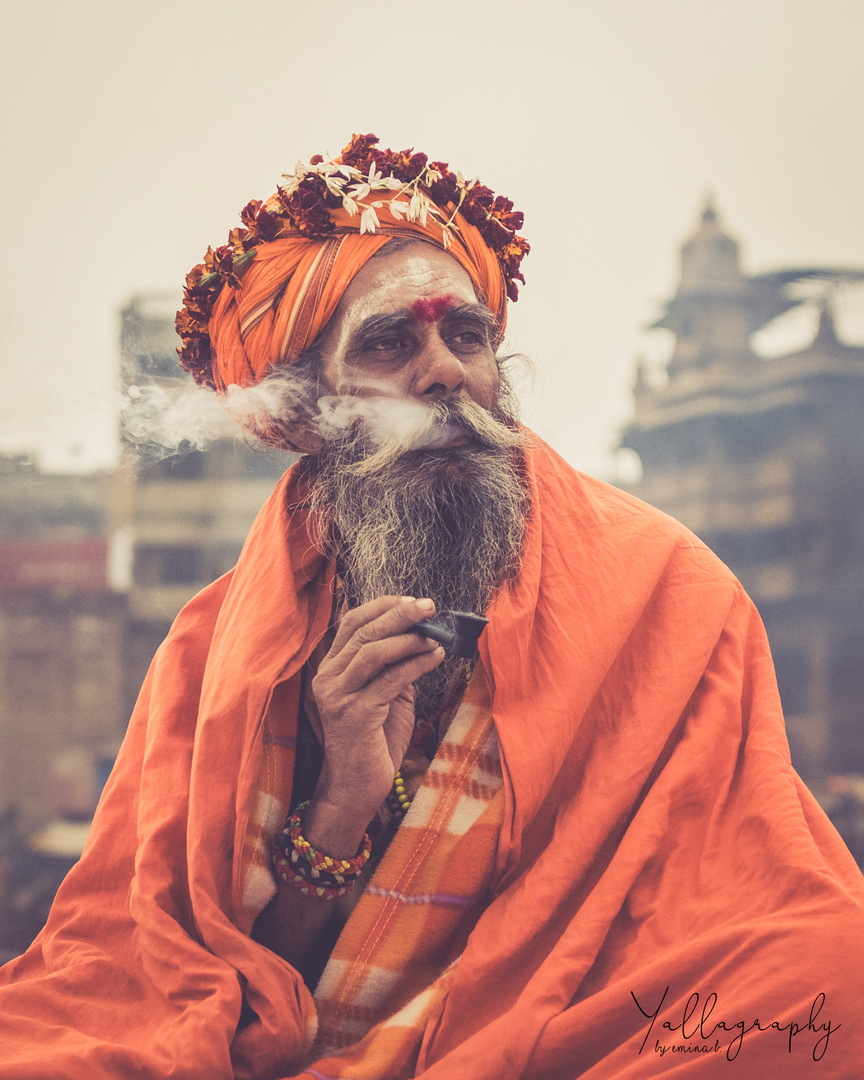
{"x":391,"y":281}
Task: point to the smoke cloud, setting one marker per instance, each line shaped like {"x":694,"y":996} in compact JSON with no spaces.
{"x":166,"y":420}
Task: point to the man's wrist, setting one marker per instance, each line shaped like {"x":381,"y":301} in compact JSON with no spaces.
{"x":336,"y":827}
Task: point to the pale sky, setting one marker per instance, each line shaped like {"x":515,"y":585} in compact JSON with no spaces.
{"x":134,"y":134}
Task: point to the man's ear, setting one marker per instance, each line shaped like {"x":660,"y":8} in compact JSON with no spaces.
{"x":293,"y":423}
{"x":299,"y":437}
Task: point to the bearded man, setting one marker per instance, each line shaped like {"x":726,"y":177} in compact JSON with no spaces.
{"x":330,"y":850}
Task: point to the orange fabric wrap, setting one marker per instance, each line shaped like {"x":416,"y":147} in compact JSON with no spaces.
{"x":292,"y":286}
{"x":656,"y":841}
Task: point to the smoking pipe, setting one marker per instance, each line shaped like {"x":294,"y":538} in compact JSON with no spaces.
{"x":457,"y":631}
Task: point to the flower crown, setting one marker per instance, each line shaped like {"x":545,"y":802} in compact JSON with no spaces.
{"x":417,"y":190}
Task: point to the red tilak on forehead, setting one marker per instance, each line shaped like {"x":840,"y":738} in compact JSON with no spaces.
{"x":431,"y":309}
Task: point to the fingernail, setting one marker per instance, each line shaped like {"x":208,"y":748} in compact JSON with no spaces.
{"x":426,"y":605}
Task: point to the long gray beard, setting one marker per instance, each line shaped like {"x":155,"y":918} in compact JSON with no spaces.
{"x":447,"y":524}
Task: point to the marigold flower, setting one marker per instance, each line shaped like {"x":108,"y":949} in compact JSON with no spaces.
{"x":263,"y":226}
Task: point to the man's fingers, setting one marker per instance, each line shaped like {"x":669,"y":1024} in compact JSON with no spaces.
{"x":376,"y":657}
{"x":396,"y":679}
{"x":385,"y":617}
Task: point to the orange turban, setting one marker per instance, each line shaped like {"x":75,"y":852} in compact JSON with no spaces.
{"x":261,"y":300}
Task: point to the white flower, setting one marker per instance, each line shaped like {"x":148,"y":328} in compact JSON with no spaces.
{"x":335,"y":184}
{"x":349,"y":172}
{"x":418,"y":209}
{"x":445,"y":237}
{"x":358,"y":191}
{"x":349,"y":206}
{"x":392,"y":184}
{"x":369,"y":220}
{"x":397,"y":208}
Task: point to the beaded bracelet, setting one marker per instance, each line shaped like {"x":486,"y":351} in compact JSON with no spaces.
{"x":321,"y":889}
{"x":312,"y":872}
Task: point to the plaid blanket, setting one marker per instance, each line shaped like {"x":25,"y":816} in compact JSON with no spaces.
{"x":415,"y":915}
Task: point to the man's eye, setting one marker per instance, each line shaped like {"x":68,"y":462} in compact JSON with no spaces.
{"x":386,"y":344}
{"x":468,"y":338}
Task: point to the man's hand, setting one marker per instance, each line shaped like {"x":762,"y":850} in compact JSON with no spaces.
{"x":366,"y":702}
{"x":365,"y":698}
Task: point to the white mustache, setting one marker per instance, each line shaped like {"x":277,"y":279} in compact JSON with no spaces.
{"x":404,"y":424}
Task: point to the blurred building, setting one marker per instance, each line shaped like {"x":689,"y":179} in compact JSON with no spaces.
{"x":764,"y":460}
{"x":93,"y":569}
{"x":185,"y":516}
{"x":62,"y":616}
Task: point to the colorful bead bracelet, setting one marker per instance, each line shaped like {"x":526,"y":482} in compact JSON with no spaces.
{"x":312,"y":872}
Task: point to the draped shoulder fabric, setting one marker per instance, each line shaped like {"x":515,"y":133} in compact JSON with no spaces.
{"x":666,"y":896}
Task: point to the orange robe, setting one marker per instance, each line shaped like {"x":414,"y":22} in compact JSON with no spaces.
{"x":656,"y":847}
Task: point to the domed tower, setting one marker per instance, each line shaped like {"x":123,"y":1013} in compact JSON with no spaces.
{"x":709,"y":313}
{"x":716,"y":308}
{"x":764,"y":460}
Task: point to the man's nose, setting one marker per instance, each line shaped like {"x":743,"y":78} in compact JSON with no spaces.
{"x":439,"y":372}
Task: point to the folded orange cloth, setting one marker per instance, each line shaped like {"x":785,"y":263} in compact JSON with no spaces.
{"x":666,"y":893}
{"x":293,"y":286}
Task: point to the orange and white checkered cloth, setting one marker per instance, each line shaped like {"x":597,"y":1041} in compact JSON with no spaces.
{"x":389,"y":968}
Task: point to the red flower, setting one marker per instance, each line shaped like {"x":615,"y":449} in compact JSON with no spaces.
{"x":188,"y":324}
{"x":403,"y":164}
{"x":192,"y":284}
{"x":494,"y":233}
{"x":478,"y":202}
{"x":196,"y":358}
{"x":511,"y":255}
{"x":221,"y":262}
{"x":307,"y":208}
{"x":359,"y":153}
{"x":240,"y":240}
{"x":444,"y":190}
{"x":199,"y":304}
{"x":197,"y":299}
{"x":502,"y":209}
{"x":262,"y":225}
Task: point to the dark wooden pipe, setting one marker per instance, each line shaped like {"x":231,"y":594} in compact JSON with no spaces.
{"x":457,"y":631}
